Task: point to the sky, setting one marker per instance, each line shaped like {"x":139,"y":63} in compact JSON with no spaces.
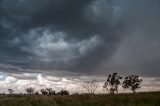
{"x":62,"y":43}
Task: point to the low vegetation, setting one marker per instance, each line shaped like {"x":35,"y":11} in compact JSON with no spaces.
{"x":139,"y":99}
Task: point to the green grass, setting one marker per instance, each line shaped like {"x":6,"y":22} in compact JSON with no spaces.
{"x":140,"y":99}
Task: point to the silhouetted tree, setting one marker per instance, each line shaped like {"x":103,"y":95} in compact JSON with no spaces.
{"x":11,"y":91}
{"x":50,"y":91}
{"x":36,"y":93}
{"x":43,"y":91}
{"x":30,"y":91}
{"x":91,"y":87}
{"x":132,"y":82}
{"x":63,"y":92}
{"x":111,"y":85}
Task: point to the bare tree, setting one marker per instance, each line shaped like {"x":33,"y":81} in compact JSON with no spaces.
{"x":106,"y":87}
{"x":11,"y":91}
{"x":30,"y":91}
{"x":91,"y":87}
{"x":111,"y":85}
{"x":132,"y":82}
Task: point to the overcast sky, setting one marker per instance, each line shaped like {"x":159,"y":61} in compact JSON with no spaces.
{"x":62,"y":42}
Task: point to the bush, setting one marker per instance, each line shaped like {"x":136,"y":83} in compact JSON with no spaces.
{"x":63,"y":92}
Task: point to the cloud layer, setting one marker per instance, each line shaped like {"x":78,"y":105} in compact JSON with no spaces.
{"x":19,"y":82}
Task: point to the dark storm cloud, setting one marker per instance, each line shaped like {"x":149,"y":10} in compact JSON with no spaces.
{"x":69,"y":17}
{"x":77,"y":35}
{"x":138,"y":52}
{"x":30,"y":14}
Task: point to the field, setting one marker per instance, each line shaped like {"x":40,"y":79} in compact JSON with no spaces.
{"x":140,"y":99}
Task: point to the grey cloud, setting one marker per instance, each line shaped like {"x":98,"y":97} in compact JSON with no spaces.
{"x":84,"y":36}
{"x":139,"y":52}
{"x":68,"y":17}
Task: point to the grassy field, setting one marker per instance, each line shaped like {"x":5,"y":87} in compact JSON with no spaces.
{"x":140,"y":99}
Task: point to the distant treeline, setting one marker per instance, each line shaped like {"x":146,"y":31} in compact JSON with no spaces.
{"x":45,"y":91}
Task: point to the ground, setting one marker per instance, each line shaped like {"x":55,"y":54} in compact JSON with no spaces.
{"x":140,"y":99}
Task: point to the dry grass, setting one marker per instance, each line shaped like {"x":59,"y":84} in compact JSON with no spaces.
{"x":140,"y":99}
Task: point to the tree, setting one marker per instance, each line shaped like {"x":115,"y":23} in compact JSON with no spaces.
{"x":132,"y":82}
{"x":36,"y":93}
{"x":111,"y":85}
{"x":91,"y":87}
{"x":50,"y":91}
{"x":30,"y":91}
{"x":11,"y":91}
{"x":63,"y":92}
{"x":43,"y":91}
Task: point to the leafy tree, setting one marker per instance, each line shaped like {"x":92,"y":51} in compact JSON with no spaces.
{"x":30,"y":91}
{"x":63,"y":92}
{"x":91,"y":87}
{"x":43,"y":91}
{"x":132,"y":82}
{"x":11,"y":91}
{"x":111,"y":85}
{"x":36,"y":93}
{"x":50,"y":91}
